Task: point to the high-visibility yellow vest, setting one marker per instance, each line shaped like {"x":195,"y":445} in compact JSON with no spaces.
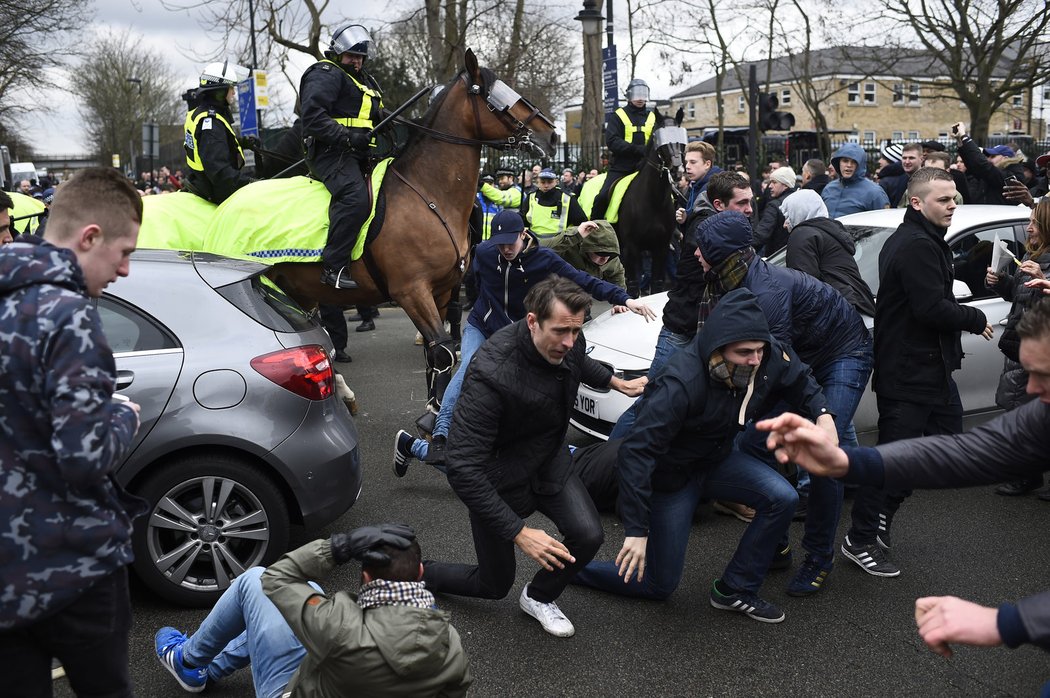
{"x":193,"y":157}
{"x":629,"y":129}
{"x":363,"y":119}
{"x":545,"y":220}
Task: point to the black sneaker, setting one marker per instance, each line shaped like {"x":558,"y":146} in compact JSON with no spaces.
{"x":402,"y":452}
{"x":342,"y":357}
{"x":781,"y":559}
{"x":1019,"y":487}
{"x":436,"y":450}
{"x":365,"y":326}
{"x":870,"y":558}
{"x":748,"y":604}
{"x":810,"y":577}
{"x":338,"y":278}
{"x":883,"y":535}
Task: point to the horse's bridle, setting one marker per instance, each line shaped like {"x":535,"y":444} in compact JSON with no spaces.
{"x":520,"y":139}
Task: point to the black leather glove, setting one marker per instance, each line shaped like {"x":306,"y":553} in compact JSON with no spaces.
{"x":358,"y":142}
{"x":359,"y":544}
{"x":250,"y":142}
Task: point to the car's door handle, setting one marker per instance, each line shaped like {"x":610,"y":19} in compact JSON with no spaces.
{"x":124,"y":379}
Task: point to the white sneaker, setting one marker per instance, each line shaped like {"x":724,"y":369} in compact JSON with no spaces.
{"x":548,"y":614}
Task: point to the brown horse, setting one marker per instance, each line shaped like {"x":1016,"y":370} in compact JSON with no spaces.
{"x":420,"y":252}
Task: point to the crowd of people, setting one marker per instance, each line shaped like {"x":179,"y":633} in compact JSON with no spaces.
{"x":743,"y":347}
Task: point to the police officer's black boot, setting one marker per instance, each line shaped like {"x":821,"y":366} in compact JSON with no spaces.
{"x":338,"y":278}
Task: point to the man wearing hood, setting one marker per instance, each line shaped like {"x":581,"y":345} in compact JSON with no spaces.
{"x":67,"y":540}
{"x":680,"y":449}
{"x":826,"y":332}
{"x":821,"y":247}
{"x":852,"y":192}
{"x":593,"y":249}
{"x":388,"y":640}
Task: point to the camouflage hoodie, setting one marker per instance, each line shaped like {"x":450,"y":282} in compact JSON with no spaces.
{"x":64,"y":522}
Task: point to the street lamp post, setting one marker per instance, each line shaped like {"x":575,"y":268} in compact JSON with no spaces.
{"x":591,"y":128}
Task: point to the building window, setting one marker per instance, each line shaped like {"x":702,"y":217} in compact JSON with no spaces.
{"x":914,"y":136}
{"x":785,"y":98}
{"x":869,"y":93}
{"x":741,"y":104}
{"x":853,"y":93}
{"x":1018,"y":100}
{"x":869,"y":138}
{"x":913,"y":94}
{"x":690,"y":110}
{"x":897,"y":137}
{"x":898,"y":93}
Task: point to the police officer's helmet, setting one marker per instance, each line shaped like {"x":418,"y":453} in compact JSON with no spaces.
{"x":352,"y":38}
{"x":220,"y":76}
{"x":637,"y":89}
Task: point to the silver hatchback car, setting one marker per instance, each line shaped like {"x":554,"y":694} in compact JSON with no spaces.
{"x":241,"y":432}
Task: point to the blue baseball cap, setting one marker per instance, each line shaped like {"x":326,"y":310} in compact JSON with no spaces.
{"x":1004,"y":150}
{"x":506,"y":227}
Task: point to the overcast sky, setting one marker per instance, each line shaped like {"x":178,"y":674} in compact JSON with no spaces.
{"x":176,"y":35}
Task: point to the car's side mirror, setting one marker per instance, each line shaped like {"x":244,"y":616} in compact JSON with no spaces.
{"x":961,"y":291}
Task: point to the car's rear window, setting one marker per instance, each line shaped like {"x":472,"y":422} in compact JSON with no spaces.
{"x":264,"y":301}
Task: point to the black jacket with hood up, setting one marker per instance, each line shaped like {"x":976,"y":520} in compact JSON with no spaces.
{"x":688,"y":419}
{"x":822,"y":248}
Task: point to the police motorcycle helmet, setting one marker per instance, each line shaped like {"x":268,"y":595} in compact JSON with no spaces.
{"x":352,"y":38}
{"x":216,"y":78}
{"x":637,"y":89}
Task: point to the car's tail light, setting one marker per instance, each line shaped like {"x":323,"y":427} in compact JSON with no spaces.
{"x":305,"y":371}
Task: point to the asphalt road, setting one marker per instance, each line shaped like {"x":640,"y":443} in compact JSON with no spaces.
{"x":856,"y":637}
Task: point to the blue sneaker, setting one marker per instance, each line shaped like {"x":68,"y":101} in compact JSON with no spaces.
{"x":748,"y":604}
{"x":402,"y":452}
{"x":168,"y":642}
{"x":810,"y":577}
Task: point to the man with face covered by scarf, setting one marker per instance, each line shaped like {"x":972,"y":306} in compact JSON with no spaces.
{"x":681,"y":447}
{"x":827,"y":333}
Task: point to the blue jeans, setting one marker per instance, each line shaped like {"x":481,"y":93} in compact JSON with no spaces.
{"x":244,"y":627}
{"x":666,"y":345}
{"x":842,"y":381}
{"x":469,"y":344}
{"x":739,"y":478}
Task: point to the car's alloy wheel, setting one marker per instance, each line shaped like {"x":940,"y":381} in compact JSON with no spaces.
{"x":210,"y":519}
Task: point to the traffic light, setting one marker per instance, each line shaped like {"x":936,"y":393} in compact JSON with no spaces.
{"x":769,"y":119}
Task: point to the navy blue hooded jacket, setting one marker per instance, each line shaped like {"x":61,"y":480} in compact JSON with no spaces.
{"x":857,"y":193}
{"x":688,"y":419}
{"x":804,"y":313}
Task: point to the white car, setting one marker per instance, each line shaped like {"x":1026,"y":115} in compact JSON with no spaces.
{"x":626,"y":343}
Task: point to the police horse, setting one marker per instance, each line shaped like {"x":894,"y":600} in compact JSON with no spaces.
{"x":417,"y":254}
{"x":646,"y":220}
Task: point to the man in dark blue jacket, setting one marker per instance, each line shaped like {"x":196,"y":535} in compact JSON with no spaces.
{"x":826,"y":332}
{"x":681,"y":447}
{"x":504,"y":267}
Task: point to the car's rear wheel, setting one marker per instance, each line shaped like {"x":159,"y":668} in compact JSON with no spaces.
{"x":210,"y":519}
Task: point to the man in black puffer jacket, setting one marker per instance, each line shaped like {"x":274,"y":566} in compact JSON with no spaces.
{"x":507,"y":456}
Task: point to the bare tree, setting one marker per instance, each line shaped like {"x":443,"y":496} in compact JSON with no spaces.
{"x":34,"y":33}
{"x":989,"y":50}
{"x":114,"y":107}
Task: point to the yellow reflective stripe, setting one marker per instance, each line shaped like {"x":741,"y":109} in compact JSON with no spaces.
{"x":544,"y":225}
{"x":193,"y":158}
{"x":362,"y":119}
{"x":645,"y":129}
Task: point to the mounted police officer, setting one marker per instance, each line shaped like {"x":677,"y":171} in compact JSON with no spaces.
{"x":213,"y":154}
{"x":627,"y":132}
{"x":549,"y":210}
{"x":340,"y":104}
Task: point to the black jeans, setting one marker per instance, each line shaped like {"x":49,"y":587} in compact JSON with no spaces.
{"x":900,"y":420}
{"x":89,"y":637}
{"x":343,"y":176}
{"x":571,"y":510}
